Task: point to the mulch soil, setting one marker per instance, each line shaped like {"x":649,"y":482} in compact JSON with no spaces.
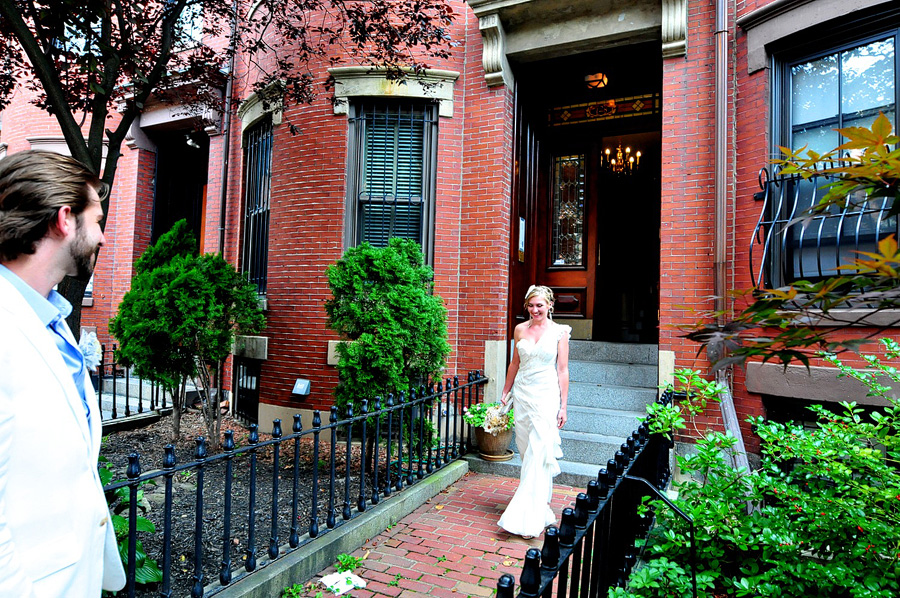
{"x":149,"y":443}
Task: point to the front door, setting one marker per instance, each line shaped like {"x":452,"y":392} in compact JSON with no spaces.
{"x":597,"y":243}
{"x":565,"y":243}
{"x":585,"y":219}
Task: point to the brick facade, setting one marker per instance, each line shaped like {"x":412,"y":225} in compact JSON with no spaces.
{"x":473,"y":224}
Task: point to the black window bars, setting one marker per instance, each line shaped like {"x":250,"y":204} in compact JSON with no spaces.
{"x":786,"y":248}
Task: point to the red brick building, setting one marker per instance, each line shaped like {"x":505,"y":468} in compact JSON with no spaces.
{"x":499,"y":167}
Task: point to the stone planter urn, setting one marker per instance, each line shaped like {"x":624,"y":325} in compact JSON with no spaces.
{"x":494,"y":448}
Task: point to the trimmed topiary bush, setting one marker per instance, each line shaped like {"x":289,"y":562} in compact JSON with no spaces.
{"x":179,"y":320}
{"x":383,"y":303}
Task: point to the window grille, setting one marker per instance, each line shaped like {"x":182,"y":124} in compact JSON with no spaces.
{"x":257,"y":190}
{"x":392,"y":177}
{"x":786,"y":249}
{"x":819,"y":88}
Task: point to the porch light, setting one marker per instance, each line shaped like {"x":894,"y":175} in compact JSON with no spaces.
{"x":595,"y":81}
{"x":622,"y":162}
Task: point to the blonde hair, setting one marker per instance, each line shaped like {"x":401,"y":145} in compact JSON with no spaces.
{"x":539,"y":291}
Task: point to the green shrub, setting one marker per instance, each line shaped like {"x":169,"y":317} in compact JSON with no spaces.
{"x":819,"y":518}
{"x":146,"y":570}
{"x":383,"y":304}
{"x":179,"y":320}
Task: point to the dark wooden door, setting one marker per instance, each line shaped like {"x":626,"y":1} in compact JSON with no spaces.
{"x":565,"y":248}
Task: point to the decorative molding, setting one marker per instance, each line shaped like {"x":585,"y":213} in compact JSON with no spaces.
{"x":136,"y":138}
{"x":57,"y":144}
{"x":3,"y":148}
{"x":252,"y":110}
{"x":784,"y":18}
{"x":493,"y":54}
{"x":371,"y":81}
{"x":674,"y":28}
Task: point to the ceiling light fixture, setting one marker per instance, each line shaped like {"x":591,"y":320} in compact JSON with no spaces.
{"x":596,"y":81}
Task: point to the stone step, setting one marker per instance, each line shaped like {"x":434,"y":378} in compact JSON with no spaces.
{"x":571,"y":473}
{"x":610,"y":396}
{"x":608,"y":422}
{"x":614,"y":352}
{"x":620,"y":374}
{"x":585,"y":447}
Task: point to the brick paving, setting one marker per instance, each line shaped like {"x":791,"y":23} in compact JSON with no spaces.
{"x":450,"y":547}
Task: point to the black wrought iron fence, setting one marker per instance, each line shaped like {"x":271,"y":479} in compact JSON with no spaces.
{"x":296,"y":486}
{"x":120,"y":394}
{"x":595,"y":546}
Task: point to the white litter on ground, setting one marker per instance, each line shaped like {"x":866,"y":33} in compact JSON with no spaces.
{"x":339,"y":583}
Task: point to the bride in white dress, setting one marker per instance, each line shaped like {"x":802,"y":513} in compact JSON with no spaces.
{"x":538,"y":376}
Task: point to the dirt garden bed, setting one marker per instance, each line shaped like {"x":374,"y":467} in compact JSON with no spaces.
{"x":149,"y":443}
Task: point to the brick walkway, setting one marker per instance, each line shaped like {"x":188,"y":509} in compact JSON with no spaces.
{"x":450,"y":547}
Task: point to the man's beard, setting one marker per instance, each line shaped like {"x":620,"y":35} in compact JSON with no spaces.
{"x":84,"y":256}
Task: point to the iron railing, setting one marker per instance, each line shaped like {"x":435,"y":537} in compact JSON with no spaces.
{"x":394,"y":450}
{"x":786,"y":248}
{"x":595,"y":546}
{"x":120,"y":394}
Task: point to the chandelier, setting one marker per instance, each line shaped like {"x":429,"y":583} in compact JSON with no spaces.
{"x":623,"y":161}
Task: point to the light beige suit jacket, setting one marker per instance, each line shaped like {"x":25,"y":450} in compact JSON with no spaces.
{"x":56,"y":538}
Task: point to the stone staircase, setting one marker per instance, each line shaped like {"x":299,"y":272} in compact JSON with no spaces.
{"x":610,"y":385}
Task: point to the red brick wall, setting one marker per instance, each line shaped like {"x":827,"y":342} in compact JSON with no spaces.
{"x":688,"y":194}
{"x":306,"y":225}
{"x":687,"y":233}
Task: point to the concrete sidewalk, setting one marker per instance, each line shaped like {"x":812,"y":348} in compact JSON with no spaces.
{"x":450,"y":546}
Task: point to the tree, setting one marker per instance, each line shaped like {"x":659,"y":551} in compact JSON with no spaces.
{"x":88,"y":60}
{"x":383,"y":303}
{"x":179,"y":320}
{"x":785,"y":324}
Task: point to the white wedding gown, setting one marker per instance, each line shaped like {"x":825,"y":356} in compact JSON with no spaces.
{"x":536,"y":403}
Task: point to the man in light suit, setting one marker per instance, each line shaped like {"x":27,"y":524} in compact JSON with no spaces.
{"x":56,"y":538}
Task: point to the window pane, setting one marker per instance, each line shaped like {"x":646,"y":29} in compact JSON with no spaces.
{"x":818,"y":139}
{"x":567,"y":244}
{"x":868,"y":80}
{"x":814,"y":91}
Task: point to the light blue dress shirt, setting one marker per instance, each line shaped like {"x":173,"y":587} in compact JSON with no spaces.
{"x":52,"y":311}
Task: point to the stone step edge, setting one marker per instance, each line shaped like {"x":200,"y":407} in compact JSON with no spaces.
{"x":615,"y":363}
{"x":605,"y":411}
{"x":591,"y":437}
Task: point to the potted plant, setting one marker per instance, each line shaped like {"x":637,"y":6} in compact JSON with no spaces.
{"x":493,"y":430}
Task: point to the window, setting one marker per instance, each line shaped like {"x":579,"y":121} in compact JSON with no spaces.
{"x":840,"y":87}
{"x":567,"y":234}
{"x":189,"y":28}
{"x":257,"y":189}
{"x":392,"y":171}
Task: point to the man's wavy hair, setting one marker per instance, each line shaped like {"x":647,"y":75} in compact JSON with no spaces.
{"x":34,"y":185}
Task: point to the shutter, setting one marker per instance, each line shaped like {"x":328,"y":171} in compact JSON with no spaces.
{"x":391,"y":196}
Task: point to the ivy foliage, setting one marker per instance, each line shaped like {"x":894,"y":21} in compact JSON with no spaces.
{"x":182,"y":313}
{"x":383,"y":304}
